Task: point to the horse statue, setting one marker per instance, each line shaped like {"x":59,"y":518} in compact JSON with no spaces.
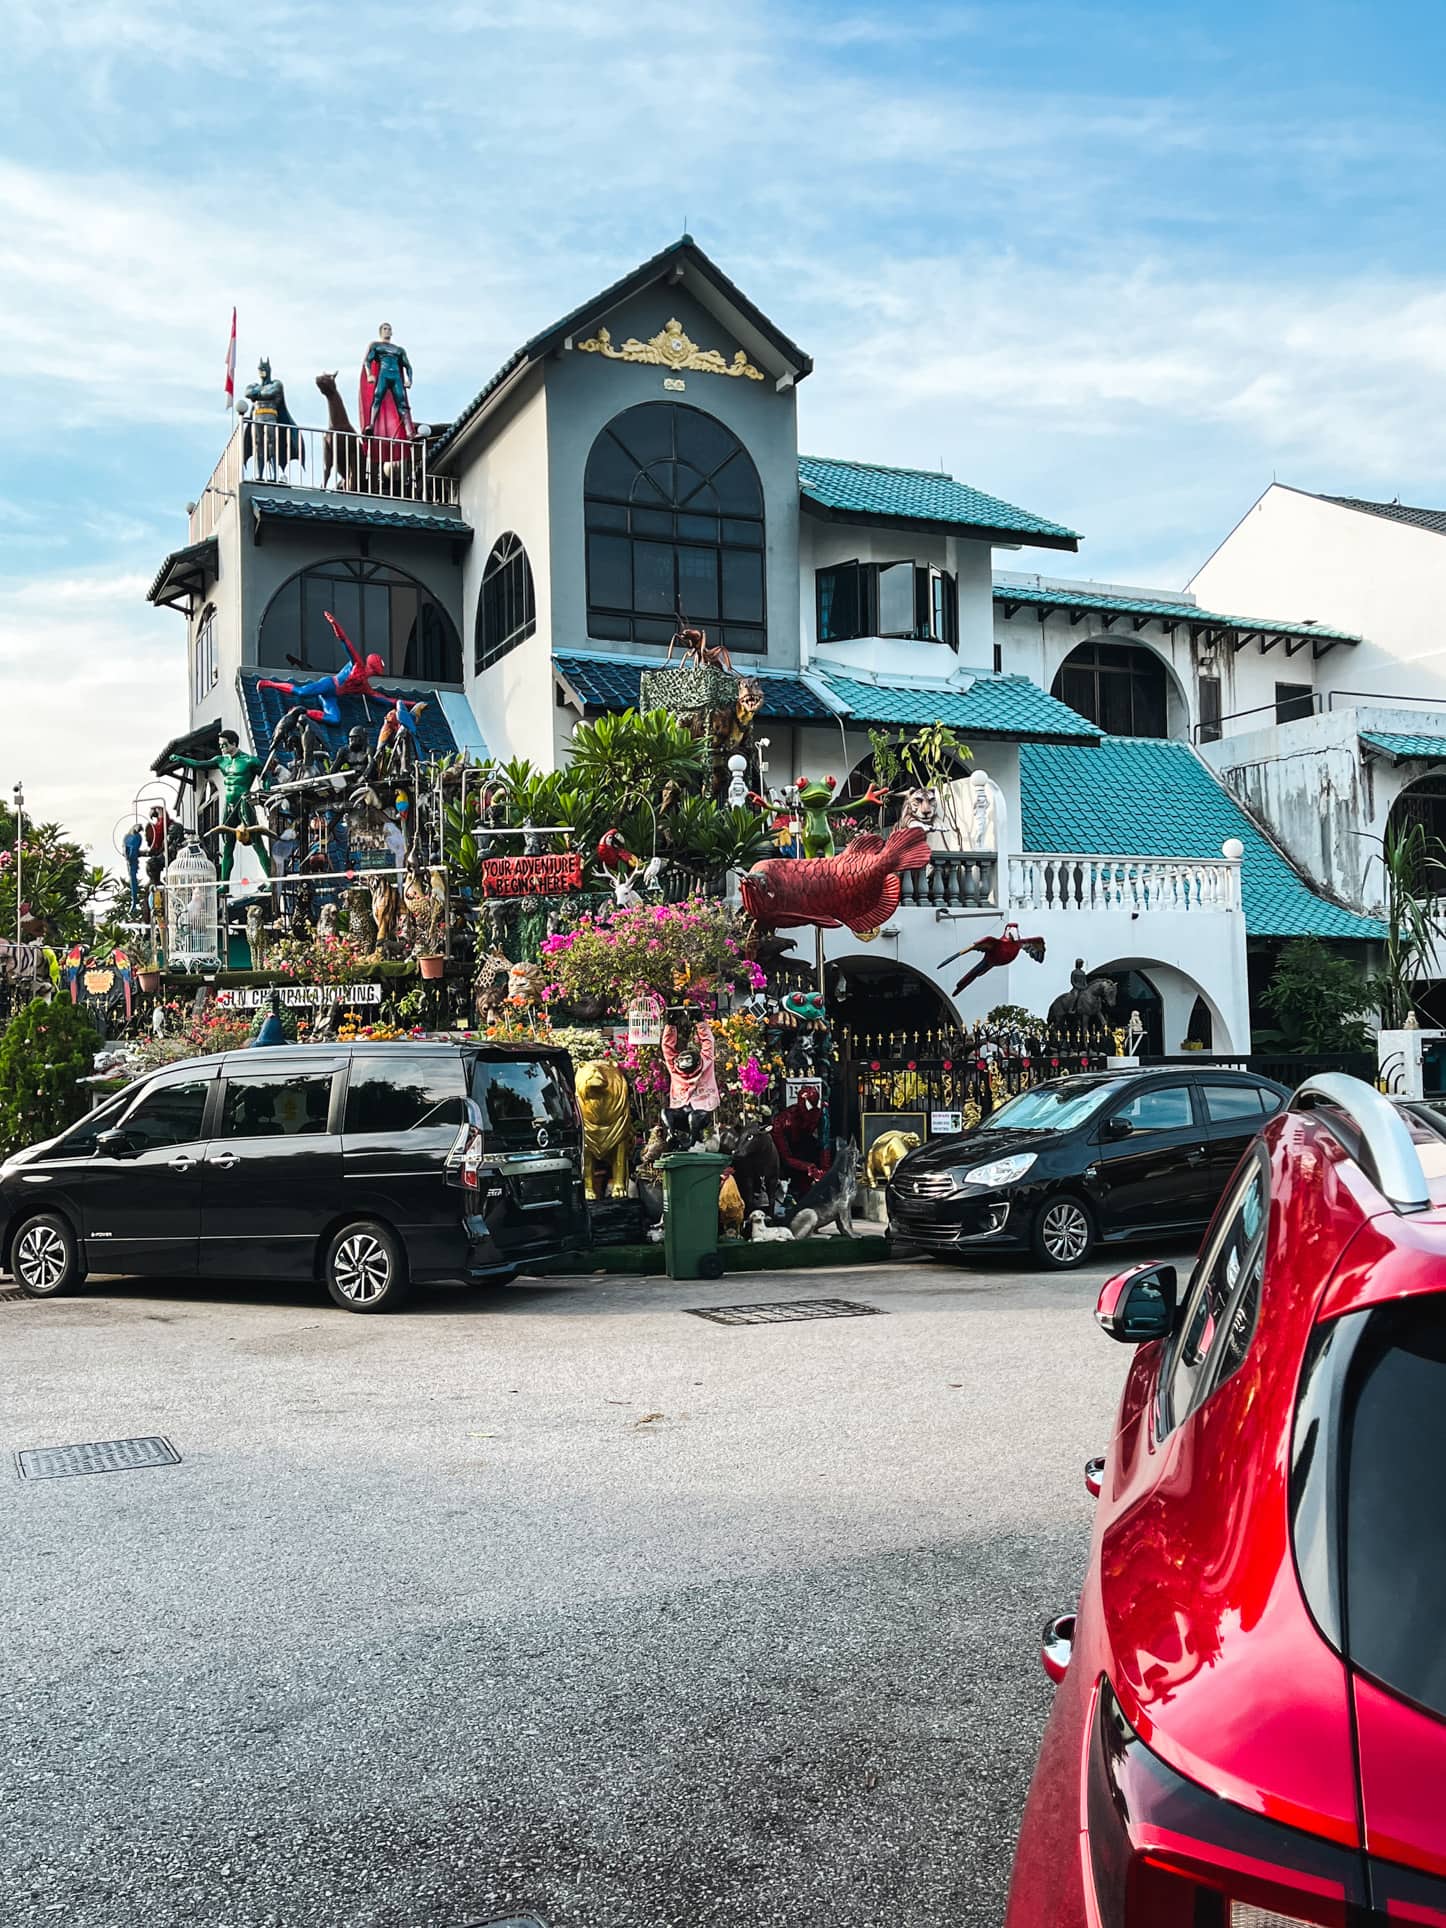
{"x":1086,"y":1001}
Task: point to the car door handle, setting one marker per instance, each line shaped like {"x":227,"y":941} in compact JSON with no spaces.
{"x":224,"y":1160}
{"x":183,"y":1163}
{"x":1198,"y":1156}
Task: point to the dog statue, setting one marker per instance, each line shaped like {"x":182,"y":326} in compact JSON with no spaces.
{"x":831,"y":1200}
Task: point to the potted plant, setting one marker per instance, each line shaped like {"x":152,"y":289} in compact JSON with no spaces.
{"x":430,"y":960}
{"x":149,"y":976}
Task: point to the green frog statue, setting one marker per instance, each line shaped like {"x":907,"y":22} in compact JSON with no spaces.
{"x":816,"y":808}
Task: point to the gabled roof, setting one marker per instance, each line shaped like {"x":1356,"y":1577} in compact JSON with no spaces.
{"x":1432,"y":519}
{"x":683,"y":254}
{"x":1144,"y":797}
{"x":1079,"y":602}
{"x":265,"y":708}
{"x":421,"y":519}
{"x":184,"y":575}
{"x":1009,"y":707}
{"x":842,"y":491}
{"x":1402,"y":747}
{"x":607,"y":682}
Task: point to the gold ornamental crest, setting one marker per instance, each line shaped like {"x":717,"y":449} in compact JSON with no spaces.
{"x":671,"y":347}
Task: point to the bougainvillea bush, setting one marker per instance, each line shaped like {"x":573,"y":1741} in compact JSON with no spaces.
{"x":650,"y":949}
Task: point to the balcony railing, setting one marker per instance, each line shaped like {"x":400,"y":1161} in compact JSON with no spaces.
{"x":1084,"y":883}
{"x":954,"y":880}
{"x":319,"y":458}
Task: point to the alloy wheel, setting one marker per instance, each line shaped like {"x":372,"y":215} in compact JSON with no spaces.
{"x":361,"y":1269}
{"x":40,"y":1258}
{"x":1065,"y":1232}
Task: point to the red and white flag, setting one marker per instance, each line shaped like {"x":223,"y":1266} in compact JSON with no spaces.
{"x":231,"y":364}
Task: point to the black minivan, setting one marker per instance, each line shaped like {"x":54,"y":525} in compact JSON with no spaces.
{"x":367,"y":1166}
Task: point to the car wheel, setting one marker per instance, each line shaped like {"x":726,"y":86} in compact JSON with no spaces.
{"x":366,"y":1269}
{"x":44,"y":1258}
{"x":1063,"y":1232}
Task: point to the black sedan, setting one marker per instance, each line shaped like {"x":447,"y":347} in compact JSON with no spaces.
{"x":1106,"y":1155}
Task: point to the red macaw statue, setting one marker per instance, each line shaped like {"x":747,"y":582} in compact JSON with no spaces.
{"x":995,"y":952}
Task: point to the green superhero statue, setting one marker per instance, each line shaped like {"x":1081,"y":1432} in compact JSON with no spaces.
{"x":239,"y":823}
{"x":813,"y":801}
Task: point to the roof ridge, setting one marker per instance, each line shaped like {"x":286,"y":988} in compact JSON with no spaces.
{"x":878,"y":468}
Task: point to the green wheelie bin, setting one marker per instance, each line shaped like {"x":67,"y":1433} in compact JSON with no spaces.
{"x":690,"y":1213}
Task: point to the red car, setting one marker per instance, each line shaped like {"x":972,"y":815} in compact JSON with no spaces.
{"x":1250,"y":1724}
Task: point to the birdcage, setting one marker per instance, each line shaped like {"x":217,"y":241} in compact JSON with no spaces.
{"x":193,"y":911}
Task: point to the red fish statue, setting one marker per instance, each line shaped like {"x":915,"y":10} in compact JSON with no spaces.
{"x":860,"y":887}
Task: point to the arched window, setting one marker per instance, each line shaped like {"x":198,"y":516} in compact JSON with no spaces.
{"x":506,"y":611}
{"x":385,"y":613}
{"x":1119,"y":688}
{"x":674,"y":513}
{"x":1423,"y":805}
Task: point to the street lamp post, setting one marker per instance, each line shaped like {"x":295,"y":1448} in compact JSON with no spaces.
{"x":19,"y":795}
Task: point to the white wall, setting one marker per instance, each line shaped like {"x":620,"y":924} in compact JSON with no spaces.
{"x":504,"y":486}
{"x":1303,"y":559}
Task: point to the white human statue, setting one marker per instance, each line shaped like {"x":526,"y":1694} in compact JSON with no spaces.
{"x":1134,"y":1034}
{"x":971,"y":813}
{"x":737,"y":785}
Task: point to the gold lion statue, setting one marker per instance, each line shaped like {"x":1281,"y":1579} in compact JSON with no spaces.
{"x":607,"y":1126}
{"x":886,"y":1153}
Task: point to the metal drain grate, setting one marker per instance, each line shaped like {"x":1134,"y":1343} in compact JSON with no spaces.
{"x":7,"y":1298}
{"x":101,"y":1456}
{"x":785,"y":1312}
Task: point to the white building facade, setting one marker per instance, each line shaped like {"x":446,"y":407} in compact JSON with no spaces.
{"x":640,"y":457}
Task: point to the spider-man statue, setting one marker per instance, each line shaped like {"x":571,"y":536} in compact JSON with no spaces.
{"x":356,"y":679}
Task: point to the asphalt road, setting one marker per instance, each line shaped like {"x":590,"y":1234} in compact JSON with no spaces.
{"x":555,"y":1599}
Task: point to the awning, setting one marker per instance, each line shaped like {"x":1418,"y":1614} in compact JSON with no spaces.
{"x":1007,"y":707}
{"x":182,"y":577}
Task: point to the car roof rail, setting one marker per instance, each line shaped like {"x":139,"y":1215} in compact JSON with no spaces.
{"x":1397,"y":1169}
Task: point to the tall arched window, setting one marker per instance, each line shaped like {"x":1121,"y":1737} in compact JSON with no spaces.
{"x":506,"y":610}
{"x":1423,"y":805}
{"x":385,"y":612}
{"x":1119,"y":688}
{"x":674,"y":513}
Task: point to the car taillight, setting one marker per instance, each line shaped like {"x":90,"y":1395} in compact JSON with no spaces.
{"x":1165,"y":1853}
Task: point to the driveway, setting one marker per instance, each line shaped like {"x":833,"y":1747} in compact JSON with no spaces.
{"x":555,"y":1599}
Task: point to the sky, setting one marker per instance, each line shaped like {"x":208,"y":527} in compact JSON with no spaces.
{"x":1120,"y":263}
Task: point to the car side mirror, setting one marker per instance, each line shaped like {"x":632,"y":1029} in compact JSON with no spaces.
{"x":1139,"y":1305}
{"x":115,"y":1143}
{"x":1118,"y":1128}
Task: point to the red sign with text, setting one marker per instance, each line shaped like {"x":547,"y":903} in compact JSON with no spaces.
{"x":531,"y":876}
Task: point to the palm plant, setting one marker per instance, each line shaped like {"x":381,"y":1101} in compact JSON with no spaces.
{"x":1413,"y":861}
{"x":626,"y":757}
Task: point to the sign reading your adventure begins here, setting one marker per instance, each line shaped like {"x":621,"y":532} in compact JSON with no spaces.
{"x":531,"y":876}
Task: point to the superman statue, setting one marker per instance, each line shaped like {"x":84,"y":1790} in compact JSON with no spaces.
{"x":385,"y":378}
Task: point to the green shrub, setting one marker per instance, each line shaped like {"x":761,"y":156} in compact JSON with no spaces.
{"x":45,"y":1050}
{"x":1318,"y":999}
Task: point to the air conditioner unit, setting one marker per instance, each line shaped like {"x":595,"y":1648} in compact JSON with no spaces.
{"x":1412,"y":1064}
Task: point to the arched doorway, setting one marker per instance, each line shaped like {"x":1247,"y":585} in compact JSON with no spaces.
{"x":879,"y":998}
{"x":1122,"y":688}
{"x":1135,"y":992}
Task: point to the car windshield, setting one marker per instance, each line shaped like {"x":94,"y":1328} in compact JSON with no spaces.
{"x":1053,"y":1107}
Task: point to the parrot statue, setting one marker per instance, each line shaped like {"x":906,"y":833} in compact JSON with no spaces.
{"x":995,"y":952}
{"x":613,"y":853}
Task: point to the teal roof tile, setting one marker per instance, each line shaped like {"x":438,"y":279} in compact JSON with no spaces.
{"x":612,"y":683}
{"x":863,"y":489}
{"x":1161,"y":609}
{"x":1402,"y":747}
{"x":994,"y":706}
{"x":1141,"y":797}
{"x":365,"y":515}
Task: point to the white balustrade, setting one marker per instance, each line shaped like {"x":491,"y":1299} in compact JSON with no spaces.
{"x":1075,"y":882}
